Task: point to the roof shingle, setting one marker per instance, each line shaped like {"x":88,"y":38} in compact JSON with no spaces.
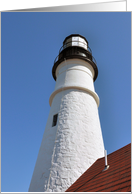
{"x":116,"y":179}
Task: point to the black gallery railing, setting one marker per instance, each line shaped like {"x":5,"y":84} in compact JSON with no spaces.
{"x":85,"y":53}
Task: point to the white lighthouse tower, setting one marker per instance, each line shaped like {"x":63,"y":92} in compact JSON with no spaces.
{"x":72,"y":139}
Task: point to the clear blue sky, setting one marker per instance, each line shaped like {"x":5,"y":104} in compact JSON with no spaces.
{"x":30,"y":43}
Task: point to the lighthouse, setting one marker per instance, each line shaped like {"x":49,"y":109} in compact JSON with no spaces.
{"x":72,"y":139}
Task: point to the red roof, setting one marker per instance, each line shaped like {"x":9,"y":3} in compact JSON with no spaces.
{"x":117,"y":178}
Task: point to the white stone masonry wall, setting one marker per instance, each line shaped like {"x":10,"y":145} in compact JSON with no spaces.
{"x":79,"y":139}
{"x":73,"y":145}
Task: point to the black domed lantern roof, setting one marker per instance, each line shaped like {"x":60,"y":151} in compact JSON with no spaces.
{"x":75,"y":46}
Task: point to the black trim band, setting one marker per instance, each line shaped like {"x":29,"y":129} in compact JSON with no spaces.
{"x":73,"y":52}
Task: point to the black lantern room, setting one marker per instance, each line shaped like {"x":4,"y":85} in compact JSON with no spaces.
{"x":75,"y":46}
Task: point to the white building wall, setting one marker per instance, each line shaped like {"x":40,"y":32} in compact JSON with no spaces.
{"x":74,"y":72}
{"x":74,"y":144}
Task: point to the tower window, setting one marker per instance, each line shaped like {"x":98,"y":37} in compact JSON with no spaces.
{"x":54,"y":120}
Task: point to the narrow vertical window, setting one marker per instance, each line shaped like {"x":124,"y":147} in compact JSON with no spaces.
{"x":54,"y":120}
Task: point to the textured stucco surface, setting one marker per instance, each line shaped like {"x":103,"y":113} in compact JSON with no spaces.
{"x":74,"y":144}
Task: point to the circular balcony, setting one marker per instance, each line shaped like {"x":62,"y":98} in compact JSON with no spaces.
{"x":75,"y":49}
